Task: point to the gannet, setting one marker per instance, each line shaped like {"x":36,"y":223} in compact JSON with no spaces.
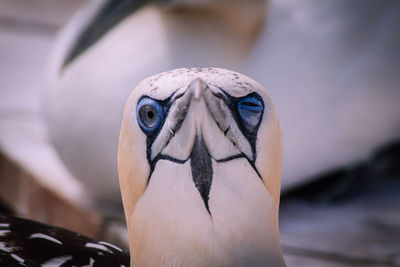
{"x":199,"y":162}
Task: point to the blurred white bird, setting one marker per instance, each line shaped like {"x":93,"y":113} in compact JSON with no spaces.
{"x":332,"y":68}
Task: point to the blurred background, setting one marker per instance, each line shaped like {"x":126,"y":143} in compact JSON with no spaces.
{"x":332,"y":68}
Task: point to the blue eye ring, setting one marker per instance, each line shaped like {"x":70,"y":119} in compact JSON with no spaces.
{"x":250,"y":109}
{"x":250,"y":103}
{"x":149,"y":114}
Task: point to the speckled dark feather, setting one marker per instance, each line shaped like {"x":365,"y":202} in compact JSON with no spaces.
{"x":16,"y":245}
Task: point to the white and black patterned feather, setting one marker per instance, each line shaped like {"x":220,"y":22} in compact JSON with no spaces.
{"x":28,"y":243}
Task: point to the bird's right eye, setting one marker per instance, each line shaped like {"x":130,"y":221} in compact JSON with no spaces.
{"x":149,"y":114}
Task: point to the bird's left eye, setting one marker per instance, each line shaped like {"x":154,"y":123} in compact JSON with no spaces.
{"x":149,"y":114}
{"x":250,"y":109}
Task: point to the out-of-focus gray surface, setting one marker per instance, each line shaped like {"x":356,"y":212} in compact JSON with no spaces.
{"x":25,"y":41}
{"x":363,"y":233}
{"x":348,"y":217}
{"x":37,"y":14}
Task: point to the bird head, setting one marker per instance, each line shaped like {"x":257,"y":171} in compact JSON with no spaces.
{"x":199,"y":165}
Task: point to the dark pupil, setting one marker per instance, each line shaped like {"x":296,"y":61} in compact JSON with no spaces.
{"x":148,"y":115}
{"x":250,"y":104}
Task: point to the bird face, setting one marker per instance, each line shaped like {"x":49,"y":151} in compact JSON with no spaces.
{"x":198,"y":147}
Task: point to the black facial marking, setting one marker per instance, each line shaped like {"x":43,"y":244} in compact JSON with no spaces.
{"x":200,"y":158}
{"x":241,"y":155}
{"x":250,"y":133}
{"x":202,"y":172}
{"x":151,"y":136}
{"x":165,"y":104}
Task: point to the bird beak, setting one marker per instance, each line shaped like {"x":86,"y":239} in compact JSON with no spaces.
{"x":201,"y":164}
{"x":199,"y":117}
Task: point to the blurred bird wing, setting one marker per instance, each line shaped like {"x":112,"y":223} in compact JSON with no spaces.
{"x":102,"y":17}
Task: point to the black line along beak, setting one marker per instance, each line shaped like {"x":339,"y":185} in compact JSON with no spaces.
{"x":202,"y":172}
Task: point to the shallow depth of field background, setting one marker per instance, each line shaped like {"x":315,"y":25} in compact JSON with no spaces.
{"x":344,"y":216}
